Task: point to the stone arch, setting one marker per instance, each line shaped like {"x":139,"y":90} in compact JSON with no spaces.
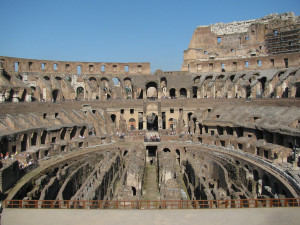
{"x":256,"y":175}
{"x":133,"y":191}
{"x":232,"y":77}
{"x":163,"y":82}
{"x":209,"y":77}
{"x":196,"y":80}
{"x":172,"y":93}
{"x":44,"y":137}
{"x":266,"y":180}
{"x":73,"y":133}
{"x":262,"y":81}
{"x":80,"y":93}
{"x":63,"y":133}
{"x":46,"y":77}
{"x":171,"y":123}
{"x":152,"y":121}
{"x":33,"y":140}
{"x":24,"y":143}
{"x":183,"y":93}
{"x":221,"y":77}
{"x":151,"y":89}
{"x":128,"y":87}
{"x":82,"y":131}
{"x":166,"y":150}
{"x":178,"y":156}
{"x":92,"y":79}
{"x":113,"y":118}
{"x":55,"y":94}
{"x":131,"y":124}
{"x":116,"y":81}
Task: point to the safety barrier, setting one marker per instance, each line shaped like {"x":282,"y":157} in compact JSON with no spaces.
{"x":171,"y":204}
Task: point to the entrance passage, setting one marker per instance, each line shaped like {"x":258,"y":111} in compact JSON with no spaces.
{"x":152,"y":122}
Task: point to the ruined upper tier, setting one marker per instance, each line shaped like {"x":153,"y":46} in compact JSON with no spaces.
{"x":265,"y":43}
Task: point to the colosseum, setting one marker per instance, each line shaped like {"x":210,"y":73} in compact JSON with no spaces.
{"x":224,"y":128}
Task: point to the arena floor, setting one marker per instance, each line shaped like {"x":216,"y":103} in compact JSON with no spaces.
{"x":274,"y":216}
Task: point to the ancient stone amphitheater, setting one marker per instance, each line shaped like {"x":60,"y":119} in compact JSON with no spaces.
{"x":225,"y":127}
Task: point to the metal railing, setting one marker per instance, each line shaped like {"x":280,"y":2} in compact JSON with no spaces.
{"x":170,"y":204}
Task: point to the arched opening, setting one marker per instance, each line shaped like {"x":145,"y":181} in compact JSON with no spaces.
{"x":133,"y":191}
{"x":266,"y":181}
{"x":173,"y":93}
{"x":221,"y":77}
{"x":131,"y":123}
{"x":58,"y":78}
{"x":255,"y":175}
{"x":43,"y":137}
{"x":163,"y":86}
{"x":80,"y":93}
{"x":220,"y":130}
{"x":262,"y":82}
{"x":196,"y":80}
{"x":128,"y":87}
{"x":171,"y":123}
{"x":33,"y":139}
{"x":125,"y":153}
{"x":73,"y":133}
{"x":141,"y":94}
{"x":166,"y":150}
{"x":92,"y":79}
{"x":151,"y":89}
{"x":152,"y":122}
{"x":4,"y":146}
{"x":113,"y":118}
{"x":229,"y":130}
{"x":116,"y":81}
{"x":297,"y":93}
{"x":195,"y":89}
{"x":183,"y":93}
{"x":232,"y":77}
{"x":163,"y":82}
{"x":248,"y":91}
{"x":178,"y":156}
{"x":276,"y":188}
{"x":24,"y":143}
{"x":46,"y":78}
{"x":63,"y":133}
{"x":140,"y":121}
{"x":209,"y":78}
{"x":82,"y":131}
{"x":55,"y":95}
{"x":285,"y":93}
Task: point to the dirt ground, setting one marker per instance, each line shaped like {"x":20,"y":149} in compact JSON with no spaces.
{"x":265,"y":216}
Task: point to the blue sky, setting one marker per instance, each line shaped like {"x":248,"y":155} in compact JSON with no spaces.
{"x":155,"y":31}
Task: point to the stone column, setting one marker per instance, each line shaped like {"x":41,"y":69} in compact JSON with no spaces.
{"x":144,"y":94}
{"x":28,"y":98}
{"x":2,"y":97}
{"x":16,"y":97}
{"x":144,"y":122}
